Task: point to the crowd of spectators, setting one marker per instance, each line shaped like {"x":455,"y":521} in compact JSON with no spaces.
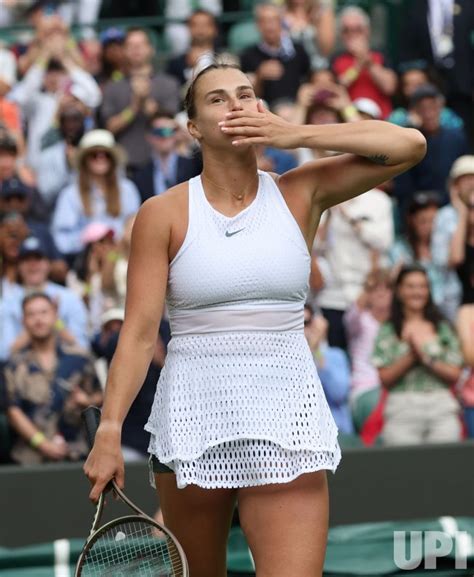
{"x":91,"y":127}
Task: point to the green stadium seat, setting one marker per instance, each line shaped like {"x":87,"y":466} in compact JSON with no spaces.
{"x":242,"y":35}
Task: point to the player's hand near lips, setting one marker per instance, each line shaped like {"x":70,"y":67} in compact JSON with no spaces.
{"x":105,"y":461}
{"x":260,"y":127}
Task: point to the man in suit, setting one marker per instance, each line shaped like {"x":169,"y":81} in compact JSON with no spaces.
{"x":441,"y":33}
{"x":166,"y":167}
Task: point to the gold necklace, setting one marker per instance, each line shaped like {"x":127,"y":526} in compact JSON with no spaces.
{"x":239,"y":196}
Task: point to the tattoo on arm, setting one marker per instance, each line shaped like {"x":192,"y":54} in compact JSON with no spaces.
{"x":379,"y":159}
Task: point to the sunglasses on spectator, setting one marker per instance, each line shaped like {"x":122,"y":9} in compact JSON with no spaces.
{"x":95,"y":154}
{"x":163,"y":131}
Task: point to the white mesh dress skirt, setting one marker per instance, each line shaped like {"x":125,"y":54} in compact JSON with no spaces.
{"x":241,"y":409}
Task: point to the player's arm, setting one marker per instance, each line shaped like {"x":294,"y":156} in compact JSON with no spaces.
{"x":375,"y":151}
{"x":146,"y":288}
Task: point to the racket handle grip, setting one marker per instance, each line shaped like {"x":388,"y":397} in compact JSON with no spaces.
{"x":91,"y":418}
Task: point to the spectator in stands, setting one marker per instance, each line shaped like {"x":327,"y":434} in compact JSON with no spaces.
{"x":441,"y":34}
{"x":9,"y":111}
{"x":130,"y":103}
{"x":333,"y":369}
{"x":53,"y":73}
{"x":56,"y":165}
{"x":15,"y":197}
{"x":444,"y":145}
{"x":357,"y":237}
{"x":166,"y":167}
{"x":313,"y":25}
{"x":413,"y":75}
{"x":415,"y":246}
{"x":33,"y":268}
{"x":99,"y":193}
{"x":275,"y":160}
{"x":113,"y":55}
{"x":203,"y":34}
{"x":362,"y":322}
{"x":461,"y":252}
{"x":277,"y":65}
{"x":465,"y":327}
{"x":461,"y":182}
{"x":419,"y":359}
{"x":362,"y":71}
{"x":49,"y":383}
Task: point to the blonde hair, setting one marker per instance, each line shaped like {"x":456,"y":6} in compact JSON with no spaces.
{"x":112,"y":196}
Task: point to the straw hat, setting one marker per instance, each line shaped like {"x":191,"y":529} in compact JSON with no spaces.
{"x":103,"y":140}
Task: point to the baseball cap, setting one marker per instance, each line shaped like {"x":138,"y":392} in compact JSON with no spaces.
{"x":423,"y":199}
{"x":462,"y":166}
{"x":33,"y":246}
{"x":424,"y":91}
{"x":368,"y":106}
{"x":111,"y":35}
{"x":113,"y":314}
{"x":96,"y":231}
{"x":13,"y":187}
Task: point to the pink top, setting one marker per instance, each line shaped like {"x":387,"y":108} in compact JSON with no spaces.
{"x":362,"y":329}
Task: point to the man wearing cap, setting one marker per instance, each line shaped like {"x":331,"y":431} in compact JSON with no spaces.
{"x":461,"y":184}
{"x":444,"y":145}
{"x":113,"y":58}
{"x":34,"y":267}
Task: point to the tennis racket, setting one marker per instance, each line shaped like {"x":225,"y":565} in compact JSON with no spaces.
{"x":130,"y":546}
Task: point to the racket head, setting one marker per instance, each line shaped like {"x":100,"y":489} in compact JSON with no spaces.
{"x":132,"y":546}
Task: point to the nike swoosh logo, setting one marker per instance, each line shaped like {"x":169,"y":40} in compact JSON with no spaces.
{"x":227,"y":233}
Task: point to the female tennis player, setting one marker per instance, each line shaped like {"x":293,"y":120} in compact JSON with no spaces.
{"x":239,"y":413}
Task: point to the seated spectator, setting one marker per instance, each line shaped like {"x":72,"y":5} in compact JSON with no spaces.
{"x":53,"y":73}
{"x":465,"y":327}
{"x":333,"y":369}
{"x":13,"y":231}
{"x":413,"y":75}
{"x":113,"y":56}
{"x":33,"y":269}
{"x":203,"y":34}
{"x":444,"y":145}
{"x":56,"y":161}
{"x":415,"y":246}
{"x":15,"y":197}
{"x":49,"y":383}
{"x":461,"y":182}
{"x":129,"y":103}
{"x":99,"y":194}
{"x":361,"y":70}
{"x":313,"y":25}
{"x":419,"y":359}
{"x":358,"y":235}
{"x":275,"y":160}
{"x":167,"y":167}
{"x":461,"y":250}
{"x":362,"y":322}
{"x":277,"y":65}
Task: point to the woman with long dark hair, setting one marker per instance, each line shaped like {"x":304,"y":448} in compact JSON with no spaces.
{"x":419,"y":359}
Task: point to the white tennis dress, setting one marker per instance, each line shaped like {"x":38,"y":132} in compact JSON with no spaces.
{"x":239,"y":402}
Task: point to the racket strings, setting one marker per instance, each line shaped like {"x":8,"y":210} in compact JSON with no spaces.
{"x":135,"y":549}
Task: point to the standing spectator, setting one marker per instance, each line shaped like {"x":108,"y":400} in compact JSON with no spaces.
{"x":53,"y":73}
{"x":203,"y":33}
{"x":461,"y":183}
{"x":465,"y":326}
{"x":419,"y":359}
{"x":416,"y":246}
{"x":440,"y":32}
{"x":48,"y":384}
{"x":276,"y":65}
{"x":130,"y":103}
{"x":461,"y":251}
{"x":166,"y":167}
{"x":313,"y":25}
{"x":359,"y":234}
{"x":333,"y":369}
{"x":99,"y":193}
{"x":444,"y":145}
{"x":33,"y":268}
{"x":412,"y":76}
{"x":113,"y":55}
{"x":361,"y":70}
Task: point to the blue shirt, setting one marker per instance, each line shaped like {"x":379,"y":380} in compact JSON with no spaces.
{"x":165,"y":179}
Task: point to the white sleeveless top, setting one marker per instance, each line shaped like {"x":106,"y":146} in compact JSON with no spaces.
{"x":239,"y":372}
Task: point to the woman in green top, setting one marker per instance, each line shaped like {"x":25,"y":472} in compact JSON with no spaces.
{"x":419,"y":359}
